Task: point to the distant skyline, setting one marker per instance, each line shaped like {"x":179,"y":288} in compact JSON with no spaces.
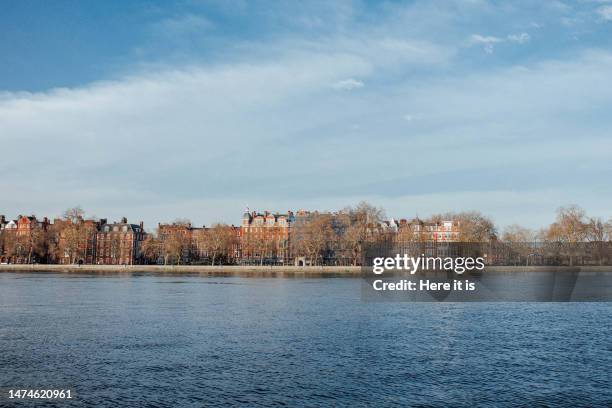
{"x":196,"y":109}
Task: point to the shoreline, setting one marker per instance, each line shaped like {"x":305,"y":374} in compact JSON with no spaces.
{"x":257,"y":271}
{"x":206,"y":270}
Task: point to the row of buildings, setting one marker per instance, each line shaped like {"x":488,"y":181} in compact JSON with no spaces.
{"x":260,"y":237}
{"x":27,"y":239}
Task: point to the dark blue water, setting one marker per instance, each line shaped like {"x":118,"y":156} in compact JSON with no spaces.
{"x":194,"y":341}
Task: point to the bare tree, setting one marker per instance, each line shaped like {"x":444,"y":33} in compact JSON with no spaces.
{"x":569,"y":229}
{"x":412,"y":232}
{"x":597,"y":234}
{"x":261,"y":246}
{"x":313,"y":237}
{"x":74,"y":214}
{"x":474,"y":227}
{"x":174,"y":246}
{"x":520,"y":240}
{"x":34,"y":243}
{"x":115,"y":248}
{"x":608,"y":229}
{"x":596,"y":230}
{"x":75,"y":235}
{"x":570,"y":225}
{"x":5,"y":243}
{"x":218,"y":241}
{"x":9,"y":244}
{"x":151,"y":248}
{"x":52,"y":242}
{"x":361,"y":224}
{"x":516,"y":233}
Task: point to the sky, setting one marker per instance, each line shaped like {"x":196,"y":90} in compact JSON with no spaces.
{"x":197,"y":109}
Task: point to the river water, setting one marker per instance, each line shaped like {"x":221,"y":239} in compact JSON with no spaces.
{"x":135,"y":340}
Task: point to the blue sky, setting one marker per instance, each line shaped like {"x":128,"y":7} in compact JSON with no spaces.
{"x":159,"y":110}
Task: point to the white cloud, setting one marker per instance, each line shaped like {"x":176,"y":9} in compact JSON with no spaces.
{"x":480,"y":39}
{"x":521,"y":38}
{"x":605,"y":13}
{"x":270,"y":128}
{"x":237,"y":133}
{"x":176,"y":140}
{"x":488,"y":42}
{"x":348,"y":84}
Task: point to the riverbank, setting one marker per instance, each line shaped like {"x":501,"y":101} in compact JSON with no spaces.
{"x":257,"y":271}
{"x":220,"y":270}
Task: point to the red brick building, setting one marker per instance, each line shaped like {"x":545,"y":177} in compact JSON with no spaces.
{"x":118,"y":243}
{"x":21,"y":238}
{"x":77,"y":240}
{"x":187,"y":235}
{"x":419,"y":230}
{"x":193,"y":241}
{"x":265,"y":235}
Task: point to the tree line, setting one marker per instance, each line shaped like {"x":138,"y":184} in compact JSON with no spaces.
{"x":318,"y":238}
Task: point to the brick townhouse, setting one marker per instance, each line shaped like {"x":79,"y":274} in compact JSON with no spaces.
{"x":118,"y":243}
{"x":266,"y":234}
{"x":194,"y":242}
{"x":99,"y":242}
{"x":21,"y":232}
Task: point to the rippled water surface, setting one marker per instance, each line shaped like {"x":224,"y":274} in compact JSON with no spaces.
{"x":192,"y":341}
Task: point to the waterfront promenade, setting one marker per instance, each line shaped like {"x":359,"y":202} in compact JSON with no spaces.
{"x":257,"y":271}
{"x":220,"y":270}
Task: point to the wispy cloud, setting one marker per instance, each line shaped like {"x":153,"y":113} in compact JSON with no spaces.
{"x":521,"y":38}
{"x":158,"y":136}
{"x":488,"y":42}
{"x":351,"y":108}
{"x":605,"y":13}
{"x":348,"y":84}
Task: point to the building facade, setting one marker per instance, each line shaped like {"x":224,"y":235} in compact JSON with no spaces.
{"x":77,"y":240}
{"x":118,"y":243}
{"x":186,"y":237}
{"x":265,"y":237}
{"x":423,"y":231}
{"x":21,"y":240}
